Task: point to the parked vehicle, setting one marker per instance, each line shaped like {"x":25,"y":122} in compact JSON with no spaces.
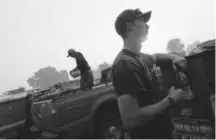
{"x":16,"y":91}
{"x":15,"y":108}
{"x":13,"y":114}
{"x":95,"y":111}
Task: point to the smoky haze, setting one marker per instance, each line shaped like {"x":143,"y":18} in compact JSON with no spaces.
{"x":37,"y":33}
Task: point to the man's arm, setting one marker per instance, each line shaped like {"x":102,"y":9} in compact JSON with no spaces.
{"x":75,"y":69}
{"x":132,"y":115}
{"x":160,"y":58}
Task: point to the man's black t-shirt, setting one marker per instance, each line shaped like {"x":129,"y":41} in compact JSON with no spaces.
{"x":133,"y":74}
{"x":82,"y":64}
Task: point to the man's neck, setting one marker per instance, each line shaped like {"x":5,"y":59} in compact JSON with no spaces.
{"x":132,"y":46}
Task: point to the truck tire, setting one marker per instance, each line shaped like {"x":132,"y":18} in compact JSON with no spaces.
{"x":104,"y":122}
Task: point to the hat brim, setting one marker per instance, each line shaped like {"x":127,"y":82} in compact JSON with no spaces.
{"x":145,"y":16}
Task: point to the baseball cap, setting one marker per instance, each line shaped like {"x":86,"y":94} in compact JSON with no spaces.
{"x":127,"y":16}
{"x":70,"y":51}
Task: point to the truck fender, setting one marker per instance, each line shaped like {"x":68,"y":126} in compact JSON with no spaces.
{"x":100,"y":101}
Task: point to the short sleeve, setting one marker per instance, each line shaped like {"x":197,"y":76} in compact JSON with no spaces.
{"x":126,"y":78}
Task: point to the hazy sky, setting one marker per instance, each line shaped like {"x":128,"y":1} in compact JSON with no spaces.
{"x":38,"y":33}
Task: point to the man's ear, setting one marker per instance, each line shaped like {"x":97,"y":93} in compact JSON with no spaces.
{"x":129,"y":26}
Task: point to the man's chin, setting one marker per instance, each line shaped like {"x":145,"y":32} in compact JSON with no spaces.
{"x":144,"y":39}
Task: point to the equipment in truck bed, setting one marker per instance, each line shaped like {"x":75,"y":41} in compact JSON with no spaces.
{"x":199,"y":114}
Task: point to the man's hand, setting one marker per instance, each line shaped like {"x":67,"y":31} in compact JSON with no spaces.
{"x":180,"y":62}
{"x":176,"y":94}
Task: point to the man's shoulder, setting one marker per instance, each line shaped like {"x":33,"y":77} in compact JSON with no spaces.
{"x":146,"y":56}
{"x":149,"y":59}
{"x":79,"y":54}
{"x":124,"y":58}
{"x":123,"y":61}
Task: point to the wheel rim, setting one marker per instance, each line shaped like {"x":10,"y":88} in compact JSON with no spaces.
{"x":106,"y":123}
{"x":112,"y":131}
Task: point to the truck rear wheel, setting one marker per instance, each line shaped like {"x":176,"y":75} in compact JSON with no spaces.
{"x":105,"y":122}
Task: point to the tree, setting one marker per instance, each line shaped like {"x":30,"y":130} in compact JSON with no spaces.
{"x":175,"y":46}
{"x":46,"y":77}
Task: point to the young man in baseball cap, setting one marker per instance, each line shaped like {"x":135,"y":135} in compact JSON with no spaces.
{"x":143,"y":108}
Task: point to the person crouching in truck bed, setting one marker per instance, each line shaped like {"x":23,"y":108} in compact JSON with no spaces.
{"x":86,"y":81}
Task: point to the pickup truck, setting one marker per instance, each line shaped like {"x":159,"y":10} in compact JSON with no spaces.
{"x":15,"y":108}
{"x":94,"y":111}
{"x":77,"y":112}
{"x":13,"y":114}
{"x":82,"y":113}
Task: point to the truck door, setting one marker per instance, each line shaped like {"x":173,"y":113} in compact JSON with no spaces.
{"x":72,"y":107}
